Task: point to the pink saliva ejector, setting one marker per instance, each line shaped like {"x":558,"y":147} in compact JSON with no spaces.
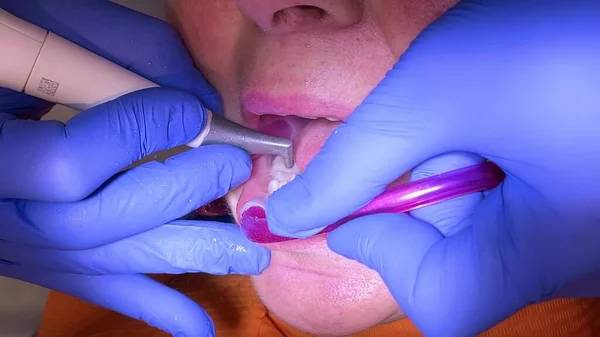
{"x":398,"y":199}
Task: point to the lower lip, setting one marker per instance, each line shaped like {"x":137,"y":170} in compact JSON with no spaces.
{"x":305,"y":245}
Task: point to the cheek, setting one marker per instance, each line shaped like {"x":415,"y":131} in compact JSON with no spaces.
{"x":402,"y":20}
{"x":212,"y":43}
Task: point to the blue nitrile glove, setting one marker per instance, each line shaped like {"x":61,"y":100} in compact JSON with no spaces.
{"x":515,"y":82}
{"x":71,"y":222}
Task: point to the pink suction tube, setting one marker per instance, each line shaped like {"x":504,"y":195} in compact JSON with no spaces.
{"x":398,"y":199}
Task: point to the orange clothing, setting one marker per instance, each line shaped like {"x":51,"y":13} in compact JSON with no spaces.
{"x":237,"y":311}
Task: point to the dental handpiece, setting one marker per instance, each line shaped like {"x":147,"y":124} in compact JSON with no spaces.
{"x":44,"y":65}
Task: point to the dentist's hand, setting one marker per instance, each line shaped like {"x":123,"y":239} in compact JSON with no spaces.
{"x":515,"y":82}
{"x":71,"y":221}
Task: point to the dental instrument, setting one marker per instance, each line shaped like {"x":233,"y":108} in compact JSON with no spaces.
{"x":398,"y":199}
{"x":42,"y":64}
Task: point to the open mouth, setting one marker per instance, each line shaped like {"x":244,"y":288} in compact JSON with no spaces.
{"x":308,"y":135}
{"x":308,"y":123}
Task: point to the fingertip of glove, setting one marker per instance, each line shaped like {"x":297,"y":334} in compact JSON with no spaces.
{"x":263,"y":258}
{"x":248,"y":258}
{"x":209,"y":172}
{"x":287,"y":213}
{"x":199,"y":324}
{"x":236,"y":165}
{"x":286,"y":224}
{"x":210,"y":333}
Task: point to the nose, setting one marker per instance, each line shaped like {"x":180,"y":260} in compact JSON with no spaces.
{"x":297,"y":16}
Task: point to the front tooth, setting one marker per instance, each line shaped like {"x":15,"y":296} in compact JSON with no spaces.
{"x":331,"y":119}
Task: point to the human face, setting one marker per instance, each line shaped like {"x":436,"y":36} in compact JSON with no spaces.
{"x":306,"y":58}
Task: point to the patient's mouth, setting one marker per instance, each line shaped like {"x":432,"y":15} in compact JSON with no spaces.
{"x":308,"y":135}
{"x":272,"y":174}
{"x":277,"y":117}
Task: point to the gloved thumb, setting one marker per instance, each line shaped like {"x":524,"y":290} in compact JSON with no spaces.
{"x":455,"y":286}
{"x":385,"y":137}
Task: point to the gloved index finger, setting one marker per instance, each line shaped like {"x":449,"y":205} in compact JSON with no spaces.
{"x":381,"y":140}
{"x":51,"y":161}
{"x":143,"y":44}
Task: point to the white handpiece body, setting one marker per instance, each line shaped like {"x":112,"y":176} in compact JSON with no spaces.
{"x":45,"y":65}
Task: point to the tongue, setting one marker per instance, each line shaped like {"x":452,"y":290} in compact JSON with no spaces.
{"x":307,"y":135}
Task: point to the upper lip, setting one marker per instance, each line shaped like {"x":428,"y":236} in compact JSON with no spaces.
{"x":255,"y":103}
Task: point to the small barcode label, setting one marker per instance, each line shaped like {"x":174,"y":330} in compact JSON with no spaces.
{"x":48,"y":87}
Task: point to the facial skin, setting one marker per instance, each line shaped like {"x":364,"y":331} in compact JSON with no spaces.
{"x":308,"y":58}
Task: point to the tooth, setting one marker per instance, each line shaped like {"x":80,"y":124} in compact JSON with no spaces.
{"x":278,"y":163}
{"x":331,"y":119}
{"x":280,"y":174}
{"x":273,"y":186}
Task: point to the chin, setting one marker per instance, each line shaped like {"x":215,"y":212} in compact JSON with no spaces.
{"x":307,"y":285}
{"x":320,"y":292}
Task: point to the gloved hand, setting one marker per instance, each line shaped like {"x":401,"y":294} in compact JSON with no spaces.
{"x":70,"y":222}
{"x":515,"y":82}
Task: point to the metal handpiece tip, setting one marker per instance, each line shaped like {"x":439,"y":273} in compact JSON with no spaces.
{"x":222,"y":131}
{"x":288,"y":159}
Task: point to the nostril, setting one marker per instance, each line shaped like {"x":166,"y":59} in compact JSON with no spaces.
{"x":301,"y":16}
{"x":297,"y":17}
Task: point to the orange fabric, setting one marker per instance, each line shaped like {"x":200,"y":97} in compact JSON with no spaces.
{"x":237,"y":311}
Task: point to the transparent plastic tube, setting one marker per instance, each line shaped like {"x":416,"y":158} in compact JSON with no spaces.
{"x":398,"y":199}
